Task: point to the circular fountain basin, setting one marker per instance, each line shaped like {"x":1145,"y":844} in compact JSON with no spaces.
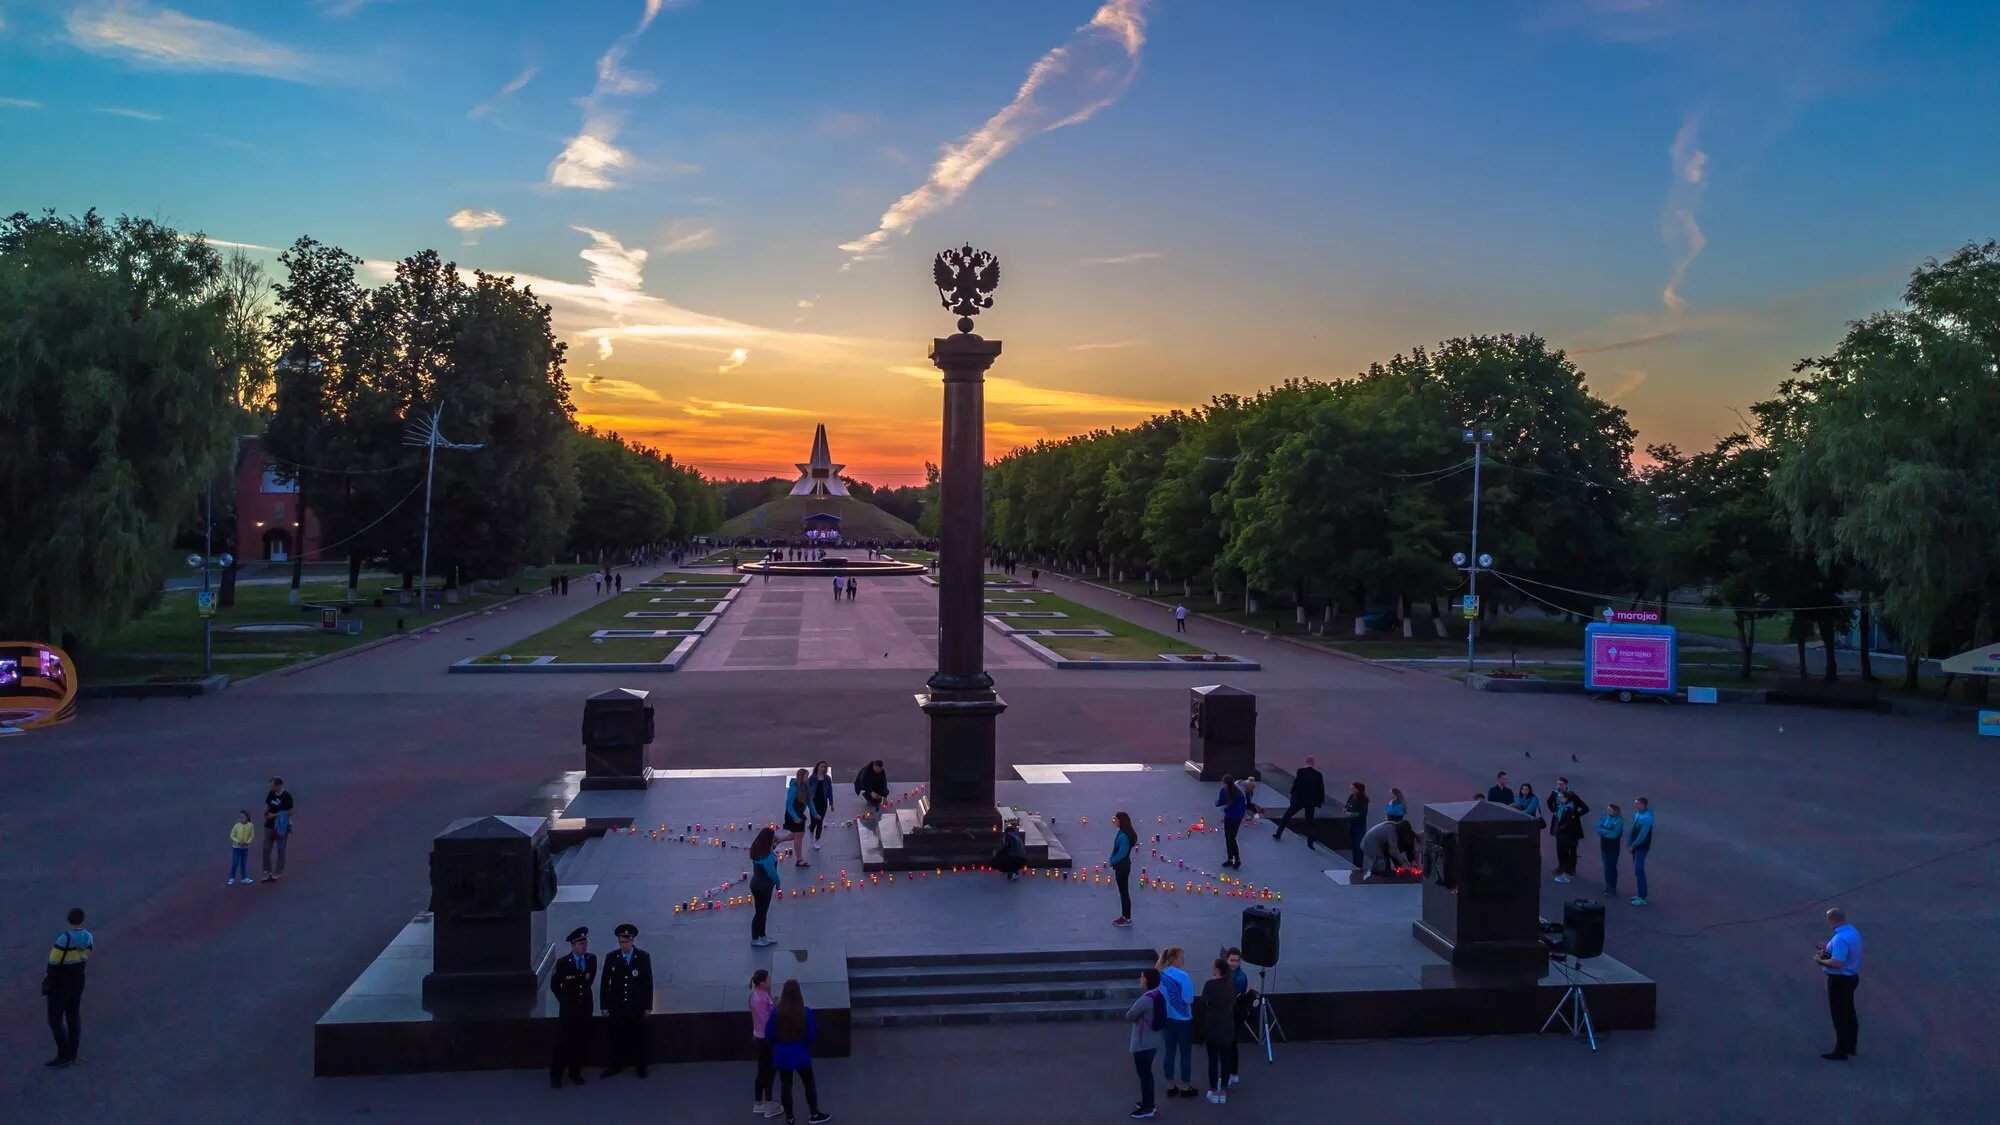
{"x":834,"y":565}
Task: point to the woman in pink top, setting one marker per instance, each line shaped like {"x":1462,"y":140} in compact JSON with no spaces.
{"x":761,"y":1004}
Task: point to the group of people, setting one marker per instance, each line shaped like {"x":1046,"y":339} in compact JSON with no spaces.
{"x":1564,"y":812}
{"x":1163,"y":1020}
{"x":606,"y":580}
{"x":846,"y":585}
{"x":808,"y":802}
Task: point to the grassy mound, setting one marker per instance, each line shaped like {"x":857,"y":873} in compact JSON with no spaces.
{"x":784,"y":518}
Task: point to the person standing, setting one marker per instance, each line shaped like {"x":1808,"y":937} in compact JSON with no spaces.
{"x":570,"y":984}
{"x":1526,"y":801}
{"x":1840,"y":960}
{"x":839,"y":586}
{"x":554,"y":580}
{"x":761,"y":1004}
{"x":1180,"y":618}
{"x":1177,"y":1039}
{"x":763,"y":882}
{"x":1610,"y":835}
{"x":1308,"y":794}
{"x":1233,"y":805}
{"x":1641,"y":844}
{"x":565,"y":585}
{"x":792,"y":1030}
{"x":1146,"y":1018}
{"x":798,"y":805}
{"x":619,"y":579}
{"x":277,"y":828}
{"x":1357,"y":821}
{"x":240,"y":835}
{"x":626,"y":995}
{"x":853,"y":587}
{"x":1500,"y":792}
{"x":1566,"y":813}
{"x":597,"y":582}
{"x":872,"y":786}
{"x":1121,"y":864}
{"x":1397,"y":807}
{"x":69,"y":956}
{"x":819,"y":799}
{"x":1218,"y":1029}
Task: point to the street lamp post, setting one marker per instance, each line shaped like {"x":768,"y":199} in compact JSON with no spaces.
{"x":424,"y":432}
{"x":1475,"y":562}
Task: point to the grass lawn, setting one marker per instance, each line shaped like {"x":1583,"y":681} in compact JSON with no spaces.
{"x":730,"y":556}
{"x":670,"y":580}
{"x":167,"y":640}
{"x":1127,"y":642}
{"x":569,"y":640}
{"x":909,"y":555}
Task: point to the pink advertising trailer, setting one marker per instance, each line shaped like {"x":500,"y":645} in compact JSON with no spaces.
{"x":1630,"y":659}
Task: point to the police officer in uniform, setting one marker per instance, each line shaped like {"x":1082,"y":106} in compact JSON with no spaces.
{"x":626,"y":995}
{"x":570,"y":983}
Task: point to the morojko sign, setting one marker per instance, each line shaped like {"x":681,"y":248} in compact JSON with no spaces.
{"x":1636,"y":658}
{"x":1981,"y":661}
{"x":1632,"y":616}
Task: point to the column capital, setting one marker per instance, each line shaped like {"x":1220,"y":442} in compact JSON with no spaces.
{"x":963,"y":354}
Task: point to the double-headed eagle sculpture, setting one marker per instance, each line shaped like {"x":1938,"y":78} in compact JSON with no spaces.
{"x":966,"y":279}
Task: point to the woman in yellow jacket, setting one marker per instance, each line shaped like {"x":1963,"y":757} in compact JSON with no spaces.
{"x":240,"y":835}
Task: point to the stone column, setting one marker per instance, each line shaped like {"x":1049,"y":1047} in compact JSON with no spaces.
{"x":961,"y":702}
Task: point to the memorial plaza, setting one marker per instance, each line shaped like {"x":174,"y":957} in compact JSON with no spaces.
{"x":203,"y":997}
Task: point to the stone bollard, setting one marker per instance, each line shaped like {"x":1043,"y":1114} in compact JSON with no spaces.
{"x":492,"y":879}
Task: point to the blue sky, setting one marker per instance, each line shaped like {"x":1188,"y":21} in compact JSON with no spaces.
{"x":1187,"y":196}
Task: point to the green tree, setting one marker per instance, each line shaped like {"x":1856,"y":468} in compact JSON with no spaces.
{"x":117,"y":410}
{"x":621,"y":502}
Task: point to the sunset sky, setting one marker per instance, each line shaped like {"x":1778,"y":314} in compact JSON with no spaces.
{"x":732,"y":204}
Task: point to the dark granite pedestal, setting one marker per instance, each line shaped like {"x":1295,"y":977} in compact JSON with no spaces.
{"x":907,"y":839}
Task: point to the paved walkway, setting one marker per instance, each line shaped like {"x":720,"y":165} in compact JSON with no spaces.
{"x":795,"y":623}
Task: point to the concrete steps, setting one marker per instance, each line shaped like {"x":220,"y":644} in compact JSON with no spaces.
{"x":936,"y":989}
{"x":883,"y":841}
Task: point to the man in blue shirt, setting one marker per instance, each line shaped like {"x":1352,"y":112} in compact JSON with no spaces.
{"x":1840,"y":960}
{"x":1641,"y":843}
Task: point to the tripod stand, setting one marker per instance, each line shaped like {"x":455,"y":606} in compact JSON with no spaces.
{"x":1267,"y":1024}
{"x":1573,"y":1010}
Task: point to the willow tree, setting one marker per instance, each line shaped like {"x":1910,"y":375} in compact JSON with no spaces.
{"x":117,"y":414}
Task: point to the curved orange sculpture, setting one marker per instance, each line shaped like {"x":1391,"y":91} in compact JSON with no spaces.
{"x":37,"y":686}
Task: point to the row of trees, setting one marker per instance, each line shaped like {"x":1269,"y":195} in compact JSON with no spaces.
{"x":131,"y":356}
{"x":1343,"y":496}
{"x":1868,"y":485}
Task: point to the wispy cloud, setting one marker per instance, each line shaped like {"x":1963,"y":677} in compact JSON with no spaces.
{"x":164,"y":37}
{"x":621,"y":389}
{"x":1022,"y":398}
{"x":840,"y":125}
{"x":612,"y":309}
{"x":1111,"y":346}
{"x":712,"y":408}
{"x":1631,"y":380}
{"x":1067,"y":86}
{"x":513,"y":86}
{"x":684,"y":235}
{"x":341,"y":9}
{"x":1122,"y":259}
{"x":228,"y":245}
{"x":737,"y":358}
{"x":134,"y":114}
{"x":470,"y":221}
{"x":19,"y":103}
{"x":1677,"y":222}
{"x":591,"y":160}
